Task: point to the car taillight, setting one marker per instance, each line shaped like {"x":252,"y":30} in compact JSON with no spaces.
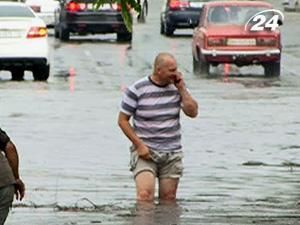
{"x":117,"y":7}
{"x":216,"y":41}
{"x":266,"y":41}
{"x":36,"y":8}
{"x":177,"y":4}
{"x":36,"y":32}
{"x":75,"y":7}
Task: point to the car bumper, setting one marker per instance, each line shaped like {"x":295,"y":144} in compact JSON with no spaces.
{"x":23,"y":62}
{"x":257,"y":56}
{"x":95,"y":23}
{"x":24,"y":52}
{"x":182,"y":19}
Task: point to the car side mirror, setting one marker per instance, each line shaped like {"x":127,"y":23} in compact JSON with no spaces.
{"x":280,"y":22}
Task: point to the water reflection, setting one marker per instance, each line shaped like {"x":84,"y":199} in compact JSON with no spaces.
{"x":163,"y":213}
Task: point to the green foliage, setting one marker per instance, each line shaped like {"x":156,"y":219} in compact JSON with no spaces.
{"x":126,"y":5}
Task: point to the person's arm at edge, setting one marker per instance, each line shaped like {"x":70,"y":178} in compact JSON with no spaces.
{"x":13,"y":160}
{"x":142,"y":149}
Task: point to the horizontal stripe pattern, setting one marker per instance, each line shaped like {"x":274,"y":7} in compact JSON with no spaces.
{"x":157,"y":130}
{"x":155,"y":112}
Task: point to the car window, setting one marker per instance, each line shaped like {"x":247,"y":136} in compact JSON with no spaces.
{"x":232,"y":14}
{"x":15,"y":11}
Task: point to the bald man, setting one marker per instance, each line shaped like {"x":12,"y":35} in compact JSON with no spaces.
{"x":155,"y":103}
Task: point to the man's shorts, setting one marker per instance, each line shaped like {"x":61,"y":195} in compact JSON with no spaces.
{"x":162,"y":164}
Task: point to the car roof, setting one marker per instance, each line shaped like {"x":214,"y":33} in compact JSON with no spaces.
{"x":238,"y":3}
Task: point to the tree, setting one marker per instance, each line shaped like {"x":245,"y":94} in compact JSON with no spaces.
{"x":126,"y":7}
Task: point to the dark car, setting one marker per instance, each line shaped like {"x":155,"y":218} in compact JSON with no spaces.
{"x":179,"y":14}
{"x":80,"y":17}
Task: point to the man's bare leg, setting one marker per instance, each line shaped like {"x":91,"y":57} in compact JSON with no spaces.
{"x":168,"y":189}
{"x":145,"y":186}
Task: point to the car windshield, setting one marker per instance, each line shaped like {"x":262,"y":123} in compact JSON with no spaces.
{"x":15,"y":11}
{"x":236,"y":15}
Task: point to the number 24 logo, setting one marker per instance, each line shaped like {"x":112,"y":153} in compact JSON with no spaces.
{"x":262,"y":23}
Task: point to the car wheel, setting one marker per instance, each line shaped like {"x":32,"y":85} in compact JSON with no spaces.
{"x":272,"y":69}
{"x":196,"y":66}
{"x":64,"y":34}
{"x":17,"y":74}
{"x":169,"y":30}
{"x":204,"y":67}
{"x":162,"y":28}
{"x":41,"y":72}
{"x":142,"y":16}
{"x":124,"y":37}
{"x":56,"y":31}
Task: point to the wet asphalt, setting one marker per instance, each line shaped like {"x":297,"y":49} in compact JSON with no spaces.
{"x":242,"y":159}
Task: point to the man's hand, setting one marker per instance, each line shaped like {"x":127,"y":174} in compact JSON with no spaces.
{"x":179,"y":82}
{"x":20,"y":189}
{"x":143,"y":151}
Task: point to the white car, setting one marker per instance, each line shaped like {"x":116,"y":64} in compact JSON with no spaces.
{"x":44,"y":9}
{"x":23,"y":42}
{"x":291,"y":5}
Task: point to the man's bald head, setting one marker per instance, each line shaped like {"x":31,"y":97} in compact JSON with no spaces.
{"x":161,"y":59}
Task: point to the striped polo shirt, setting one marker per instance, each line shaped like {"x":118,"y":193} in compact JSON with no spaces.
{"x":155,"y":111}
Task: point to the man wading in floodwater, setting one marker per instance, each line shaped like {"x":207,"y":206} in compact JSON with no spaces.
{"x":154,"y":102}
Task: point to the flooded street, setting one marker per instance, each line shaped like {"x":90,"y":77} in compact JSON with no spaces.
{"x":242,"y":154}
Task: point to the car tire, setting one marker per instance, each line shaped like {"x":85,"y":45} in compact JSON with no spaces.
{"x":56,"y":31}
{"x":162,"y":28}
{"x":64,"y":34}
{"x":124,"y":37}
{"x":169,"y":30}
{"x":41,"y":72}
{"x":204,"y":68}
{"x":17,"y":74}
{"x":272,"y":69}
{"x":196,"y":66}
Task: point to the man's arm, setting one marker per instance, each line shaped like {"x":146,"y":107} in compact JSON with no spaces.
{"x":189,"y":105}
{"x":141,"y":148}
{"x":13,"y":160}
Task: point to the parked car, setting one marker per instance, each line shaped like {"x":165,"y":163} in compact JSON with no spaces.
{"x":80,"y":17}
{"x":179,"y":14}
{"x":221,"y":38}
{"x":44,"y":9}
{"x":23,"y":41}
{"x":291,"y":5}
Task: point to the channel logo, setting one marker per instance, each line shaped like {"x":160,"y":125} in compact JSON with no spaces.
{"x":269,"y":19}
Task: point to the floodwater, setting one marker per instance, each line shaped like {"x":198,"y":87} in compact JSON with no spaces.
{"x":242,"y":154}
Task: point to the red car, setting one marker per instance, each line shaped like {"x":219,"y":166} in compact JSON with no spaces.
{"x":222,"y":36}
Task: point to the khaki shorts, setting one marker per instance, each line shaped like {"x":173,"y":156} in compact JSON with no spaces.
{"x":161,"y":164}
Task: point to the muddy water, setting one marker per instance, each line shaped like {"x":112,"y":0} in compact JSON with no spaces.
{"x":241,"y":154}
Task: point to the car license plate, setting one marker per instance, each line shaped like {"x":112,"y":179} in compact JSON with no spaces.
{"x":241,"y":41}
{"x":10,"y":34}
{"x":103,"y":7}
{"x":196,"y":4}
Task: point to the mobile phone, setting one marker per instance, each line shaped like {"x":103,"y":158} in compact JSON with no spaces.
{"x":176,"y":81}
